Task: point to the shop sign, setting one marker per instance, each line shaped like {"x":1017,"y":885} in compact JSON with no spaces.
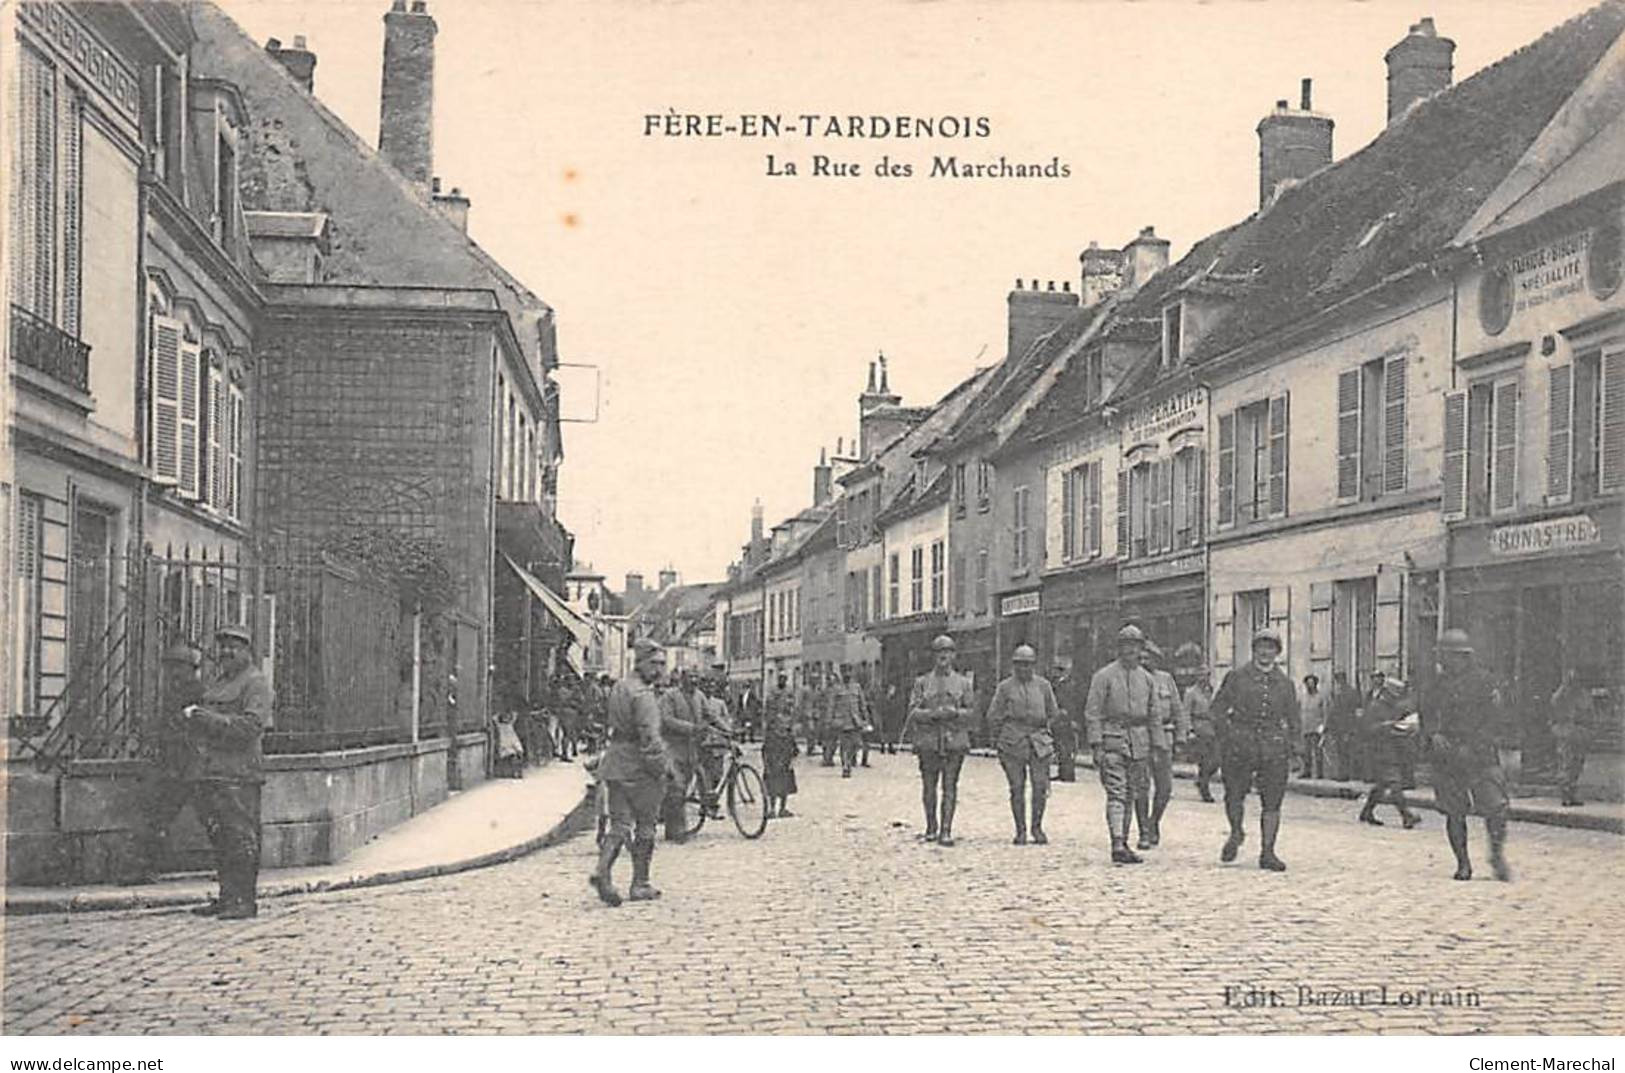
{"x":1152,"y":423}
{"x":1022,"y":603}
{"x":1553,"y":534}
{"x":1574,"y":263}
{"x":1192,"y":562}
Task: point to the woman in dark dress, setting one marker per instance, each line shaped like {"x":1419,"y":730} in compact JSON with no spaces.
{"x":779,"y":750}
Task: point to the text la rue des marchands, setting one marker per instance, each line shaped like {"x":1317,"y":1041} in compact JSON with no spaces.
{"x":858,"y":128}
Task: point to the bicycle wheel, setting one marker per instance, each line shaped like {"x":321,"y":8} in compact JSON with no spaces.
{"x":694,"y":804}
{"x":747,"y":801}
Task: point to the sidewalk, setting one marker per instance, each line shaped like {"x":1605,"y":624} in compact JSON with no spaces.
{"x":496,"y":821}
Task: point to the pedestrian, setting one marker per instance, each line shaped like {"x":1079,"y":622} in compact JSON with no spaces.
{"x":571,"y":702}
{"x":893,"y":717}
{"x":829,"y":720}
{"x":680,"y":727}
{"x":849,"y":716}
{"x":1342,"y":718}
{"x":1458,"y":725}
{"x":1170,"y":713}
{"x":637,"y":768}
{"x":1255,"y":712}
{"x":1064,"y":730}
{"x":810,"y":708}
{"x":510,"y":751}
{"x":171,"y":780}
{"x":940,"y":707}
{"x":1121,"y":728}
{"x":1019,"y":719}
{"x":227,"y":725}
{"x":779,"y":749}
{"x":871,"y":697}
{"x":716,"y":740}
{"x":1572,"y":714}
{"x":1389,"y":723}
{"x":1313,"y":706}
{"x":1191,"y":669}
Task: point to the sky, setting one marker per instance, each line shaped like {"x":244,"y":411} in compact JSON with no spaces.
{"x":729,"y":314}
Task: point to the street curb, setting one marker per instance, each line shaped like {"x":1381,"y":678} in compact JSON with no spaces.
{"x":579,"y":818}
{"x":1546,"y":817}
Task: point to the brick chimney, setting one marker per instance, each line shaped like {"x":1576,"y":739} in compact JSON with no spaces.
{"x":1034,"y":312}
{"x":634,"y":583}
{"x":1102,"y":273}
{"x":878,"y":420}
{"x":454,"y":206}
{"x":1418,"y":67}
{"x":668,"y":578}
{"x":823,"y":480}
{"x":406,"y":109}
{"x":1143,"y":258}
{"x":1293,"y":144}
{"x":299,"y":60}
{"x":758,"y":543}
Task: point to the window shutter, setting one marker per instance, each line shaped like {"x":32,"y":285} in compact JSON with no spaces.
{"x":72,"y":212}
{"x":1227,"y":469}
{"x":1320,"y":621}
{"x":1504,"y":452}
{"x":215,"y":452}
{"x":164,"y":342}
{"x":1281,"y":622}
{"x":1224,"y":633}
{"x":1394,"y":399}
{"x":234,"y":462}
{"x":1348,"y":433}
{"x":1094,"y":508}
{"x":1390,"y":620}
{"x":1559,"y":433}
{"x":191,"y":357}
{"x":1454,"y":503}
{"x":1069,"y":514}
{"x":1123,"y":546}
{"x":1168,"y":504}
{"x":1198,"y":494}
{"x":1611,"y":433}
{"x":1278,"y":455}
{"x":41,"y":102}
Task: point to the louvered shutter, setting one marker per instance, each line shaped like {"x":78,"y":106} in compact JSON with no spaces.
{"x":1454,"y":502}
{"x":1278,"y":455}
{"x":165,"y":393}
{"x":1094,"y":508}
{"x":1394,"y":398}
{"x":43,"y":101}
{"x":1348,"y":433}
{"x":234,"y":459}
{"x":1227,"y":469}
{"x":1280,"y":620}
{"x":1069,"y":514}
{"x":1611,"y":433}
{"x":1123,"y":547}
{"x":215,"y":432}
{"x":1559,"y":433}
{"x":189,"y":480}
{"x":1168,"y":504}
{"x":1390,"y":621}
{"x":72,"y":212}
{"x":1224,"y":633}
{"x":1198,"y":494}
{"x":1320,"y":622}
{"x":1504,"y":450}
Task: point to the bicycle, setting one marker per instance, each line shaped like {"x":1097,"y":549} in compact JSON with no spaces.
{"x":742,"y":786}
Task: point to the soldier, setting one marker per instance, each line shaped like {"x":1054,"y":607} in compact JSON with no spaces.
{"x":829,"y":729}
{"x":1019,"y":719}
{"x":849,"y":716}
{"x":680,"y":725}
{"x":810,"y":704}
{"x":637,"y":769}
{"x":717,"y":733}
{"x":1255,"y":713}
{"x":779,"y":749}
{"x":1167,"y":709}
{"x":171,"y":782}
{"x":939,"y":712}
{"x":1389,"y":723}
{"x":1121,"y":729}
{"x":227,"y":724}
{"x":1458,"y":722}
{"x":1204,"y":743}
{"x":1571,"y":730}
{"x":1064,"y":730}
{"x":1342,"y":706}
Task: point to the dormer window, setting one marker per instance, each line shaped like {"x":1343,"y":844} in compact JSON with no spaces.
{"x":1173,"y":316}
{"x":919,"y":476}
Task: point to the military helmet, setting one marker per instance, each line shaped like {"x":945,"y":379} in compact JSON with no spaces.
{"x":1152,"y":649}
{"x":1268,"y":636}
{"x":1188,"y":654}
{"x":1455,"y":639}
{"x":943,"y":643}
{"x":234,"y":633}
{"x":1131,"y":632}
{"x":1024,"y":654}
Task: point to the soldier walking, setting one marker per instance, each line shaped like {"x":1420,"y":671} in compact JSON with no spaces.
{"x":1064,"y":729}
{"x":171,"y":782}
{"x":849,"y":717}
{"x":939,"y":712}
{"x":637,"y":769}
{"x":1572,"y":712}
{"x":680,"y":725}
{"x":1204,"y":743}
{"x":1389,"y":724}
{"x":1458,"y":724}
{"x":1256,"y":714}
{"x":1121,"y":729}
{"x":1170,"y":713}
{"x":1019,"y":719}
{"x":1342,"y":707}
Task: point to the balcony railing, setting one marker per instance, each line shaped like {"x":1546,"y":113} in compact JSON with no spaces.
{"x":42,"y":346}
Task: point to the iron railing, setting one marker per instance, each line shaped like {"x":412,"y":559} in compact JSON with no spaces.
{"x":43,"y":346}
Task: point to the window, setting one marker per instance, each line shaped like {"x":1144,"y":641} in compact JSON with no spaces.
{"x":984,"y":484}
{"x":1371,"y":416}
{"x":234,"y":454}
{"x":1080,"y":512}
{"x":893,"y":601}
{"x":1096,"y":375}
{"x":980,"y":592}
{"x":919,"y":476}
{"x":1585,"y":426}
{"x":1253,"y":463}
{"x":1252,"y":615}
{"x":959,"y":489}
{"x":938,"y":562}
{"x":175,"y":373}
{"x":215,"y":432}
{"x":1019,"y":531}
{"x":917,"y":579}
{"x":1172,"y":318}
{"x":1189,"y":472}
{"x":34,"y":205}
{"x":877,"y":603}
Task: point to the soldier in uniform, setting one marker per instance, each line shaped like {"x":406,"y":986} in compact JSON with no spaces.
{"x":939,"y":712}
{"x":171,"y":782}
{"x":849,"y":717}
{"x":1571,"y":730}
{"x":1256,"y":714}
{"x":1121,"y":729}
{"x":1191,"y":670}
{"x":1458,"y":722}
{"x":227,"y":724}
{"x":1388,"y":726}
{"x":637,"y":769}
{"x":717,"y":733}
{"x":1064,"y":730}
{"x":1342,"y":708}
{"x":1170,"y":712}
{"x":1019,"y":719}
{"x":680,"y":725}
{"x":779,"y":749}
{"x":829,"y":730}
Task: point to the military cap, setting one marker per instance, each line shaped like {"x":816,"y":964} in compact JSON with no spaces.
{"x":234,"y":633}
{"x":1268,"y":636}
{"x":1455,"y":639}
{"x":1024,"y":654}
{"x":943,"y":643}
{"x":1131,"y":632}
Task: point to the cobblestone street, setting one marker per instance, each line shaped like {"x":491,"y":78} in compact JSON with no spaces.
{"x":839,"y":921}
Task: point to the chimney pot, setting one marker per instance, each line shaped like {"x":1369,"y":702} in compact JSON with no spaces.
{"x":419,"y":7}
{"x":1291,"y":146}
{"x":1307,"y":85}
{"x":298,"y":40}
{"x":298,"y":61}
{"x":1280,"y":105}
{"x":1035,"y":284}
{"x":1418,"y":67}
{"x":273,"y":44}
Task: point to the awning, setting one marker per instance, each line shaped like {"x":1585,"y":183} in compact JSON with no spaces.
{"x":578,"y":628}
